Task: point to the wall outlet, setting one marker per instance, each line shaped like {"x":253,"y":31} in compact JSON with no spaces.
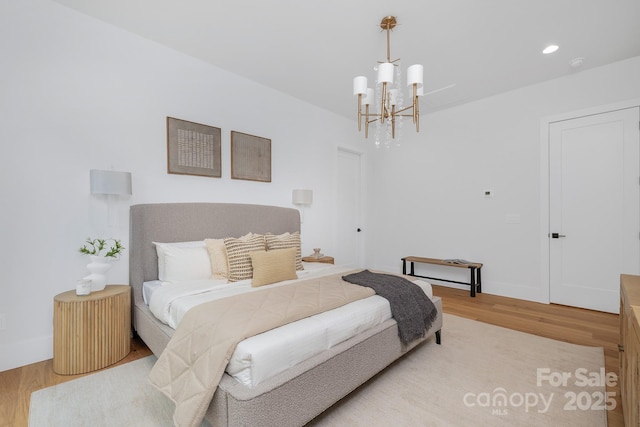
{"x":3,"y":322}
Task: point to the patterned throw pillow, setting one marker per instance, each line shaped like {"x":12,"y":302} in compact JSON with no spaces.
{"x":273,"y":266}
{"x":239,"y":258}
{"x":286,"y":240}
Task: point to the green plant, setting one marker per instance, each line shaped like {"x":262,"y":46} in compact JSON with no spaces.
{"x":110,"y":248}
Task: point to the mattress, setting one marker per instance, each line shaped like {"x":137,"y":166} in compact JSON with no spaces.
{"x":262,"y":356}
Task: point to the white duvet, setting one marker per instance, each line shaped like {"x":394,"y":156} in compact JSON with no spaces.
{"x":265,"y":355}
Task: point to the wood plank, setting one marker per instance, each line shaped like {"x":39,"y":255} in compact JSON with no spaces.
{"x":436,"y":261}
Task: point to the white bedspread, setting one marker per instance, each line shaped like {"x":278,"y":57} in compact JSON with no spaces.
{"x":262,"y":356}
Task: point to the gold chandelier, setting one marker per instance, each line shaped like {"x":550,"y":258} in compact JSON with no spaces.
{"x":388,"y":94}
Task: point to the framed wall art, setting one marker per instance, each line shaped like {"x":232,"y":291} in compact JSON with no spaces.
{"x":193,"y":148}
{"x":250,"y":157}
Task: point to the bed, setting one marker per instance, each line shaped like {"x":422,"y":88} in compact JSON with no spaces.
{"x":294,"y":396}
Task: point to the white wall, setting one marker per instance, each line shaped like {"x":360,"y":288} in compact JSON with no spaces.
{"x":426,"y":198}
{"x":77,"y":94}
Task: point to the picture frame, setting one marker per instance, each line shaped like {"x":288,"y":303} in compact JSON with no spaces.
{"x":250,"y":157}
{"x":193,"y":148}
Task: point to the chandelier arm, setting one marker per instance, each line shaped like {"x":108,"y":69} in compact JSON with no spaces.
{"x":359,"y":112}
{"x":415,"y":102}
{"x":404,"y":109}
{"x":416,"y":108}
{"x":383,"y":109}
{"x":366,"y":125}
{"x":393,"y":122}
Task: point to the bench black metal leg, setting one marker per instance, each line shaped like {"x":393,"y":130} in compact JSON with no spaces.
{"x":473,"y":282}
{"x":404,"y":266}
{"x":479,"y":280}
{"x":438,"y":337}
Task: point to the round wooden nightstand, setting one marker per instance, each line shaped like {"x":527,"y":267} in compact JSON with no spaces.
{"x":325,"y":259}
{"x":91,"y":331}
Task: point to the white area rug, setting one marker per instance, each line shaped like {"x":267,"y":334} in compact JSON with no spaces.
{"x":481,"y":375}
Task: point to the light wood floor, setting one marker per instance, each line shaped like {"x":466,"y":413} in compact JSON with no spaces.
{"x":562,"y":323}
{"x":558,"y":322}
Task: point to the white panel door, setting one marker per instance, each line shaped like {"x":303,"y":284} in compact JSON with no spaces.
{"x":348,"y":228}
{"x":594,"y":208}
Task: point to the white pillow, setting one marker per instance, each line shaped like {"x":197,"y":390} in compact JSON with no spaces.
{"x":181,"y":264}
{"x":161,"y":248}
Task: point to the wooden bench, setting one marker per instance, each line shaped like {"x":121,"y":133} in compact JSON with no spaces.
{"x":475,"y":280}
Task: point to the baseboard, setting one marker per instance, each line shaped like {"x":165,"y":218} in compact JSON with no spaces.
{"x":510,"y":290}
{"x":26,"y":352}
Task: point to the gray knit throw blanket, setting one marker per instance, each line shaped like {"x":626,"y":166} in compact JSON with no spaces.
{"x":410,"y":306}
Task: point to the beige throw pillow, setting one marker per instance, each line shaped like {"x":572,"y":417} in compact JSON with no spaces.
{"x":239,"y":258}
{"x":273,"y":266}
{"x":218,"y":257}
{"x":286,"y":240}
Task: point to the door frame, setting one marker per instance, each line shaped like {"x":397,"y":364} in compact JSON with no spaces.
{"x":545,"y":123}
{"x":362,"y":200}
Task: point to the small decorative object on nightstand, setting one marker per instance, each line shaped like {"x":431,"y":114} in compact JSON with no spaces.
{"x":83,"y":287}
{"x":101,"y":252}
{"x":318,"y":257}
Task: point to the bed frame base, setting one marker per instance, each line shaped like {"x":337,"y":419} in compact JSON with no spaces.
{"x":295,"y":396}
{"x":298,"y":395}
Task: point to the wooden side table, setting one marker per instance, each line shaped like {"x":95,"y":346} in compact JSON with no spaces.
{"x":325,"y":259}
{"x":92,"y":331}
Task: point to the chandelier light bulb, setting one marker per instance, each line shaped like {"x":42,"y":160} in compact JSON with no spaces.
{"x":369,"y":98}
{"x":393,"y":96}
{"x":385,"y":73}
{"x":415,"y":75}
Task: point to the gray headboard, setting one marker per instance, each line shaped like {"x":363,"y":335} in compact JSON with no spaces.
{"x":182,"y":222}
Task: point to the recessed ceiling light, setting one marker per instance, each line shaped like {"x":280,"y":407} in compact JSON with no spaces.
{"x":550,"y":49}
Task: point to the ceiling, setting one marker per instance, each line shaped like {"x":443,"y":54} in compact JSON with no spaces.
{"x":311,"y":50}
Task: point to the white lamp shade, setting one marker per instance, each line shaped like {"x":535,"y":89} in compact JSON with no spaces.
{"x":415,"y":75}
{"x":385,"y":72}
{"x":110,"y":182}
{"x":393,"y":96}
{"x":368,"y":100}
{"x":302,"y":197}
{"x":359,"y":85}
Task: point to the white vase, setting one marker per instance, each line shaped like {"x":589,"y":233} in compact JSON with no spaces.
{"x":98,"y":268}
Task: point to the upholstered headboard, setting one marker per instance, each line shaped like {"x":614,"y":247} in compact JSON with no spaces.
{"x":183,"y":222}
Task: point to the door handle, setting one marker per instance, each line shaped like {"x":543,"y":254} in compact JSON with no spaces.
{"x":556,"y":235}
